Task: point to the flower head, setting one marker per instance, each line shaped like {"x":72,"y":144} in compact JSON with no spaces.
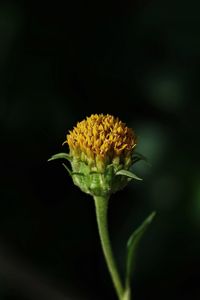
{"x":101,"y":153}
{"x":101,"y":139}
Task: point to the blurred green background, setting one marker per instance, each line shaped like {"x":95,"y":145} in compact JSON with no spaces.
{"x":59,"y":62}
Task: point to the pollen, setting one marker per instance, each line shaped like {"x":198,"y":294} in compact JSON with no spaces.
{"x":101,"y":135}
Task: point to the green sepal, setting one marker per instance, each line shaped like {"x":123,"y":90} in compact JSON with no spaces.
{"x":71,"y":173}
{"x":68,"y":170}
{"x":77,"y":173}
{"x":95,"y":172}
{"x":60,"y":156}
{"x":132,"y":246}
{"x":128,"y":174}
{"x":138,"y":157}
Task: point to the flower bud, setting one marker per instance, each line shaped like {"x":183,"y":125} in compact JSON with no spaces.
{"x":101,"y":153}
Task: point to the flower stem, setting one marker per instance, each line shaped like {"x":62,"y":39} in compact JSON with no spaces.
{"x":101,"y":205}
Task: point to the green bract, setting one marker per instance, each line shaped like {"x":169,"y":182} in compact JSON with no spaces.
{"x":93,"y":182}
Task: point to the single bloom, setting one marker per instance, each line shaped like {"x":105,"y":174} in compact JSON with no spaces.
{"x":101,"y":153}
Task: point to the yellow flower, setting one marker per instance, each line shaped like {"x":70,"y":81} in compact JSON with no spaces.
{"x":100,"y":153}
{"x":101,"y":139}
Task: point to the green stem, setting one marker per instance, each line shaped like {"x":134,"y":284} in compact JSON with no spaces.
{"x":101,"y":205}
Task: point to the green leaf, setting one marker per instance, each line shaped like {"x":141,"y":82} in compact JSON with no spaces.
{"x":128,"y":174}
{"x":60,"y":156}
{"x":132,"y":246}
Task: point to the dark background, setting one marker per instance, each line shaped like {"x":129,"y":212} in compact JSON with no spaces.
{"x":60,"y":62}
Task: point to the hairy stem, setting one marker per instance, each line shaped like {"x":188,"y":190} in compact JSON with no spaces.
{"x":101,"y":205}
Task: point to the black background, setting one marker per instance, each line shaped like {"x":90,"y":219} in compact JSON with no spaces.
{"x":60,"y":62}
